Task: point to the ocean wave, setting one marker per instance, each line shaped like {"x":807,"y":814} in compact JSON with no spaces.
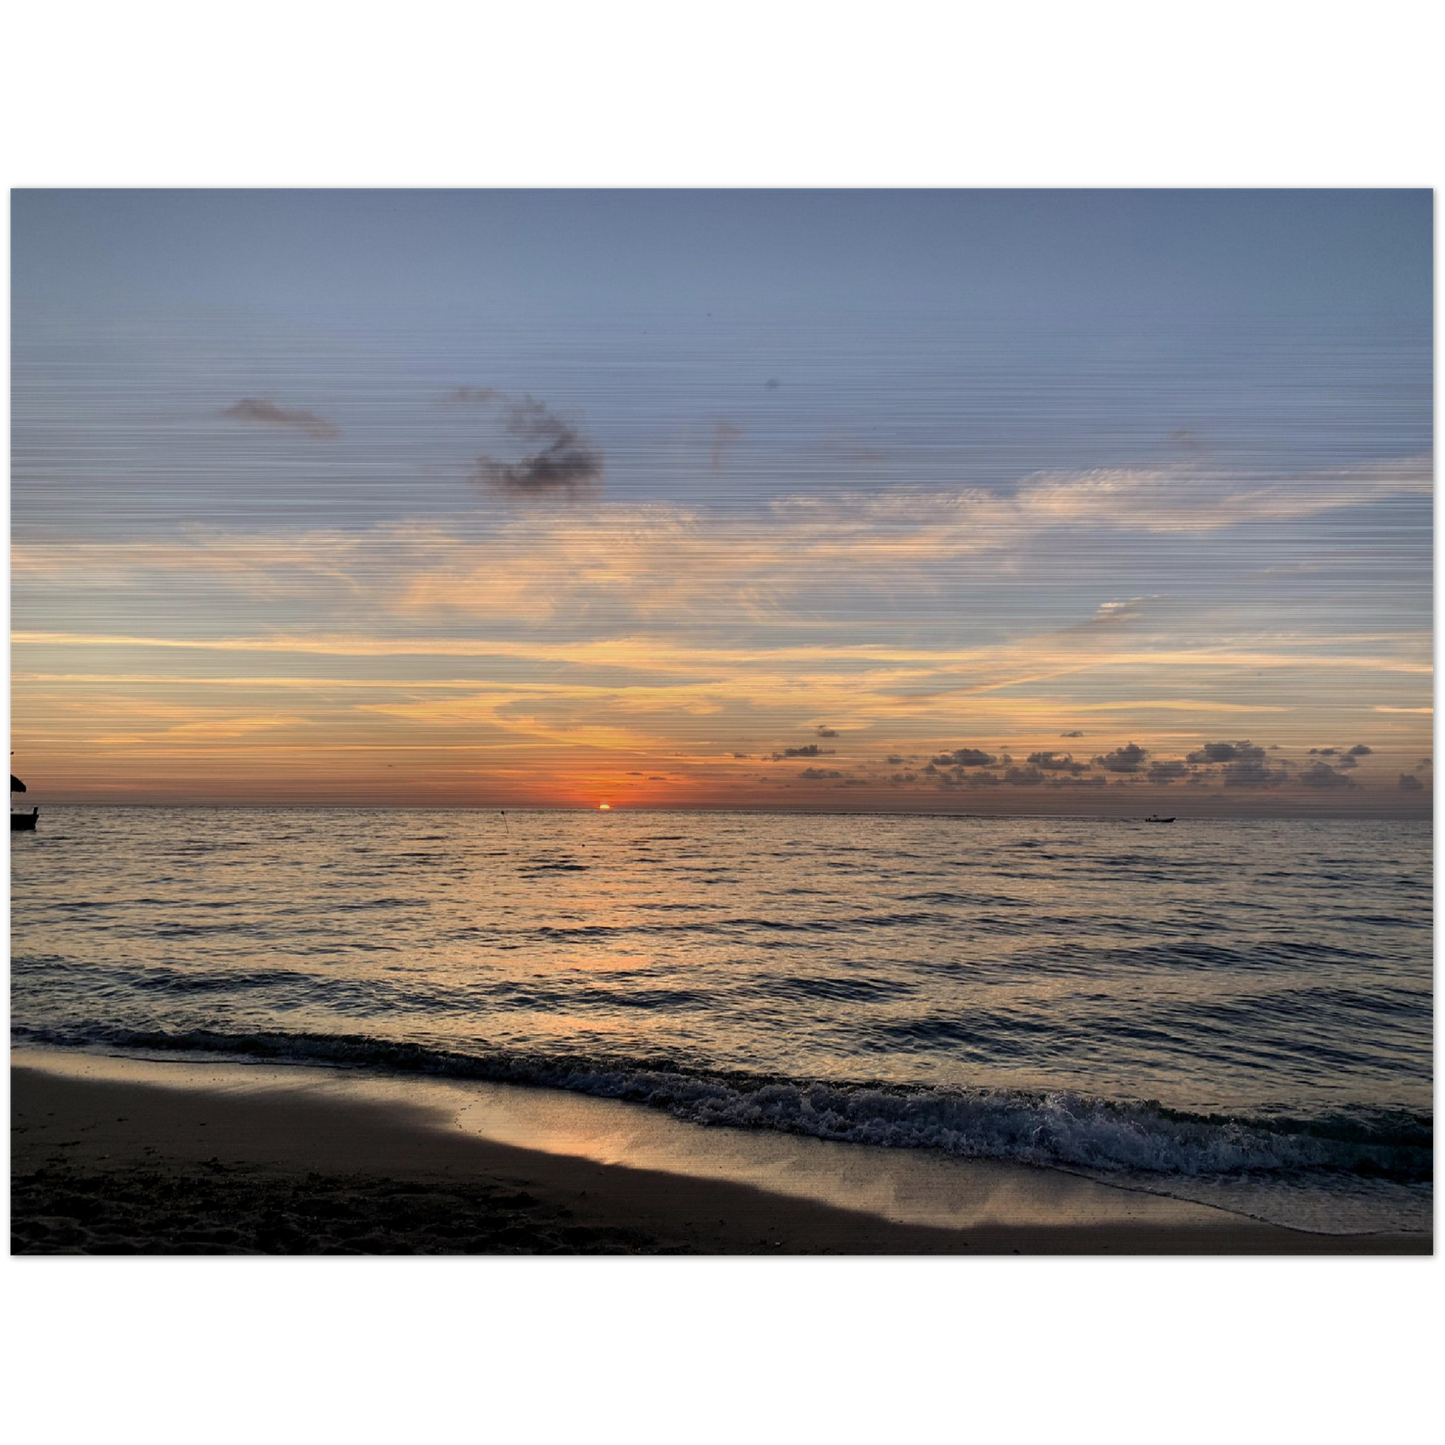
{"x":1061,"y":1129}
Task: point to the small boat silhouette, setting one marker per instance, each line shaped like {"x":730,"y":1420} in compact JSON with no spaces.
{"x":1155,"y":818}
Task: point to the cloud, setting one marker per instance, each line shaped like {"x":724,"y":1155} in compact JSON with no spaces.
{"x":1128,"y":759}
{"x":1324,"y":752}
{"x":724,"y":438}
{"x":808,"y":750}
{"x":1076,"y":733}
{"x":1409,"y":783}
{"x":472,"y":396}
{"x":1246,"y":764}
{"x":1170,"y":772}
{"x":962,"y":758}
{"x":1190,"y":497}
{"x":267,"y":413}
{"x":1322,"y":775}
{"x":1360,"y":751}
{"x":815,"y":774}
{"x":1024,"y":777}
{"x":1056,"y":763}
{"x":1238,"y":752}
{"x":566,"y":462}
{"x":825,"y":732}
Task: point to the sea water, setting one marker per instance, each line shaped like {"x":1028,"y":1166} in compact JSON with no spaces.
{"x":1236,"y":1012}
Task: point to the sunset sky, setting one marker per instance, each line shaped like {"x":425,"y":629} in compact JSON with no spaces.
{"x":1065,"y":502}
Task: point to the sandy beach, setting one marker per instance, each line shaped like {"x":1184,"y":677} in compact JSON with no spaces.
{"x":122,"y":1156}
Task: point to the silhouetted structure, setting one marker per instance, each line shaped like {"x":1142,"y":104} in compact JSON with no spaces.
{"x":22,"y":822}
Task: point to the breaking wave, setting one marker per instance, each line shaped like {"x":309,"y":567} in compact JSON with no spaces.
{"x":1059,"y":1129}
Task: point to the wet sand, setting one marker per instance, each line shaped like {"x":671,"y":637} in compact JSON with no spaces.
{"x":114,"y":1156}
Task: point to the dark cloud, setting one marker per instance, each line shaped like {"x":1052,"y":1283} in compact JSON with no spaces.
{"x":895,"y":760}
{"x":1324,"y":752}
{"x":964,"y":758}
{"x":1255,"y":773}
{"x":816,"y":774}
{"x":1423,"y":764}
{"x":740,"y":755}
{"x":1128,"y":759}
{"x":825,"y":732}
{"x":1322,"y":775}
{"x":1024,"y":777}
{"x":772,"y":383}
{"x":724,"y":436}
{"x":565,"y":462}
{"x":1240,"y":752}
{"x":1077,"y":733}
{"x":899,"y":778}
{"x":472,"y":396}
{"x":984,"y":780}
{"x":1360,"y":751}
{"x":1056,"y":763}
{"x":1348,"y":762}
{"x":1409,"y":783}
{"x":808,"y":750}
{"x":1169,"y":772}
{"x":267,"y":413}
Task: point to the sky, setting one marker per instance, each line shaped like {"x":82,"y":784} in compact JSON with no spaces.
{"x":966,"y":501}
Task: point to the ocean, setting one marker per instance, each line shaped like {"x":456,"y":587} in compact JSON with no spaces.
{"x":1233,"y":1012}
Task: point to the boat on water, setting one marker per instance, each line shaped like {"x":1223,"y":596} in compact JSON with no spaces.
{"x":21,"y":822}
{"x":1155,"y":818}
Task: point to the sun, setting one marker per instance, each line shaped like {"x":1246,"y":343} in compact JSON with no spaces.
{"x":604,"y":807}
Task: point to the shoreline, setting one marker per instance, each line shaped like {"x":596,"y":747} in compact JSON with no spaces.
{"x":123,"y":1155}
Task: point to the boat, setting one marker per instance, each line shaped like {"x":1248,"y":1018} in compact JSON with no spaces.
{"x":1155,"y":818}
{"x":22,"y":822}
